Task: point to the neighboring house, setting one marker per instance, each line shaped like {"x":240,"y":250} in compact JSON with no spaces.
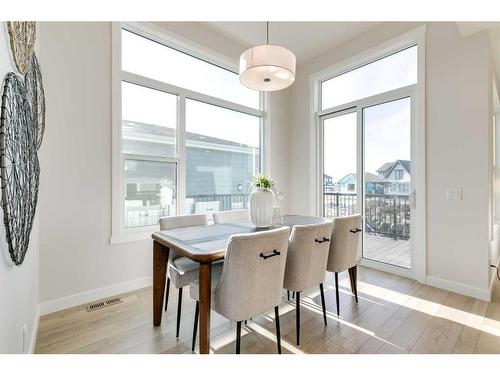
{"x":347,"y":184}
{"x":373,"y":184}
{"x":328,"y":185}
{"x":391,"y":178}
{"x":382,"y":171}
{"x":398,"y":173}
{"x":213,"y":166}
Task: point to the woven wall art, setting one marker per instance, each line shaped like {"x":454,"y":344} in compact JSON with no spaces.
{"x":22,"y":37}
{"x":19,"y":166}
{"x":36,"y":97}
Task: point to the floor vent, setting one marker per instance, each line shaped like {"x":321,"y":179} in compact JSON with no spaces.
{"x":102,"y":304}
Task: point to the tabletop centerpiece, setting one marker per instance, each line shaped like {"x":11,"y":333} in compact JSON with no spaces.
{"x":261,"y":201}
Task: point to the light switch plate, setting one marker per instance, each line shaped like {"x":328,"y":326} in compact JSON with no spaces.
{"x":453,"y":194}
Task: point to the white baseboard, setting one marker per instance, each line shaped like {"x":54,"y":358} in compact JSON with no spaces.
{"x":58,"y":304}
{"x":34,"y":330}
{"x":452,"y":286}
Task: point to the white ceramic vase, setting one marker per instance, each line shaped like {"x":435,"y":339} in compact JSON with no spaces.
{"x":261,"y":207}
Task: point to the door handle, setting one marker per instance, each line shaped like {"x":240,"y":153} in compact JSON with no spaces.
{"x":323,"y":240}
{"x":413,"y":199}
{"x":274,"y":253}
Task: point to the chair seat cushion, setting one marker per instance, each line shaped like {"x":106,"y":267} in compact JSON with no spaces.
{"x":183,"y":271}
{"x":194,"y":287}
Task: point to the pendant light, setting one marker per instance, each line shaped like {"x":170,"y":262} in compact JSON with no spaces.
{"x":267,"y":67}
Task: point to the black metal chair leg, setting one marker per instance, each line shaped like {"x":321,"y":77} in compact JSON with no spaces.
{"x":195,"y":327}
{"x":337,"y":292}
{"x":288,"y":295}
{"x":323,"y":302}
{"x":354,"y":284}
{"x":297,"y":318}
{"x":293,"y":295}
{"x":179,"y":306}
{"x":238,"y":337}
{"x":167,"y":293}
{"x":277,"y":322}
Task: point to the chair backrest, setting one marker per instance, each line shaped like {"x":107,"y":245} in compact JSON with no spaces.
{"x":344,"y":244}
{"x":307,"y":256}
{"x":252,"y":276}
{"x":233,"y":216}
{"x":182,"y":221}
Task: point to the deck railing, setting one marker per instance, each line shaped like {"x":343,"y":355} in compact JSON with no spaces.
{"x":386,"y":215}
{"x":217,"y":202}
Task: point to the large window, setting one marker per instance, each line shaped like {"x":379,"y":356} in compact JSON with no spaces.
{"x":222,"y":155}
{"x":190,"y":134}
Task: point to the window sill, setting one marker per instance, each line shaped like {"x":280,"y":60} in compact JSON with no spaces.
{"x":133,"y":235}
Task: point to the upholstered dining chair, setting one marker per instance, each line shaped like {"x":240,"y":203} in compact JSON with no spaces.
{"x":306,"y":263}
{"x":181,"y":270}
{"x":343,"y":253}
{"x":251,"y":280}
{"x":233,"y":216}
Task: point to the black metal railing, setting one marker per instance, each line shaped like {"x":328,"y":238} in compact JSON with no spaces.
{"x":386,"y":215}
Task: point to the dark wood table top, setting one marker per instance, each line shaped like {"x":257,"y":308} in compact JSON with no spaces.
{"x":208,"y":242}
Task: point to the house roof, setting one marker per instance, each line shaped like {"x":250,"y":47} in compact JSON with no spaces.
{"x":405,"y":163}
{"x":369,"y":177}
{"x":142,"y":132}
{"x":347,"y":176}
{"x":387,"y":168}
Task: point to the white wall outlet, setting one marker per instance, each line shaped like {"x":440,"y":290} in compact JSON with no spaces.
{"x":453,"y":194}
{"x":25,"y":337}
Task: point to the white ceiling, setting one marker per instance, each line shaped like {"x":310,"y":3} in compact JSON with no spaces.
{"x":305,"y":39}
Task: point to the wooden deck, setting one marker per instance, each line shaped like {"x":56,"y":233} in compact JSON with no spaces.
{"x":394,"y":315}
{"x":387,"y":250}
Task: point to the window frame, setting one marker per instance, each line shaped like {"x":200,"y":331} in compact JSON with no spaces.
{"x":119,"y":233}
{"x":416,"y":91}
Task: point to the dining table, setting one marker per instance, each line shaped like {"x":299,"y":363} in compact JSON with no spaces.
{"x":203,"y":244}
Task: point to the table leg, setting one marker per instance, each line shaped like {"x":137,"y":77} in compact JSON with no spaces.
{"x":160,"y":261}
{"x":205,"y":279}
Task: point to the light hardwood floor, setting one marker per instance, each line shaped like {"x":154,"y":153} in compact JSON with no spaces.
{"x":394,"y":315}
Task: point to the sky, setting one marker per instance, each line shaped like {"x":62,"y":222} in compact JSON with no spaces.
{"x":150,"y":59}
{"x":386,"y":127}
{"x":386,"y":137}
{"x":140,"y":104}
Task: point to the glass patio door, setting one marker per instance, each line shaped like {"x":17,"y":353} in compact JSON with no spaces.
{"x":367,"y":169}
{"x":340,"y":164}
{"x":387,"y":182}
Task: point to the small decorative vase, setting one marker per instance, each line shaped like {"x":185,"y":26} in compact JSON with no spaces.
{"x":261,"y":207}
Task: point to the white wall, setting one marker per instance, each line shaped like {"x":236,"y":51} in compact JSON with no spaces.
{"x":18,"y":285}
{"x":458,"y":146}
{"x":457,"y":151}
{"x":77,"y":263}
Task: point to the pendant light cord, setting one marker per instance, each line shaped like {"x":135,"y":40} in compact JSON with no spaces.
{"x":267,"y":32}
